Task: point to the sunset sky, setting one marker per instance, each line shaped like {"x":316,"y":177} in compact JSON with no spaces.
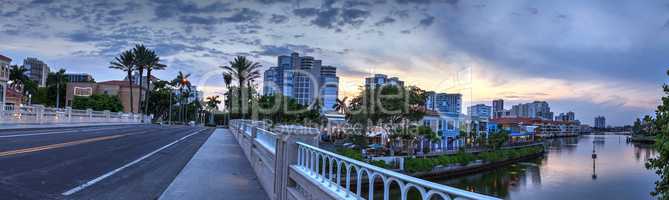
{"x":591,"y":57}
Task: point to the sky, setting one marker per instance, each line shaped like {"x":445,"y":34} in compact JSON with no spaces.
{"x":592,"y":57}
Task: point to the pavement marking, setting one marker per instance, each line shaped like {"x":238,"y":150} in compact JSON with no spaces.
{"x":50,"y":133}
{"x":108,"y":174}
{"x":60,"y":145}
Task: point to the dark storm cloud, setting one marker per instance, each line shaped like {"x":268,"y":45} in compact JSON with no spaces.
{"x":354,"y":17}
{"x":326,"y":18}
{"x":305,"y":12}
{"x":413,"y":1}
{"x":170,"y":8}
{"x":384,"y":21}
{"x":278,"y":19}
{"x":245,"y":15}
{"x":330,"y":17}
{"x":427,"y":21}
{"x":83,"y":36}
{"x":604,"y":49}
{"x":273,"y":50}
{"x":42,"y":1}
{"x":357,"y":3}
{"x":199,"y":20}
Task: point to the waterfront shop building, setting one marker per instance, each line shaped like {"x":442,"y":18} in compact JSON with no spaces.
{"x":531,"y":127}
{"x":447,"y":127}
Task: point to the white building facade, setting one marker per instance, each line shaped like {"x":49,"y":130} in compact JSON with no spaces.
{"x":4,"y":78}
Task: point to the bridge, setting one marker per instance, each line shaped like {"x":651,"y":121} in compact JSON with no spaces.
{"x":290,"y":166}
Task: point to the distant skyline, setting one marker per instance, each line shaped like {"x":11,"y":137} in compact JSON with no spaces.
{"x":590,"y":57}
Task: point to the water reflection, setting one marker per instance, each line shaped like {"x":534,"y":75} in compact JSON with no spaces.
{"x":570,"y":171}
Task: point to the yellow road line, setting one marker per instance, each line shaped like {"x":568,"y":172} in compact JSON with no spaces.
{"x":60,"y":145}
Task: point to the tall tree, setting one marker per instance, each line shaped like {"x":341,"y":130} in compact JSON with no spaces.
{"x":661,"y":129}
{"x":142,"y":58}
{"x":341,"y":106}
{"x":212,"y":103}
{"x":181,"y":82}
{"x":18,"y":77}
{"x":153,"y":63}
{"x":126,"y":62}
{"x":161,"y":99}
{"x":56,"y":83}
{"x":244,"y":71}
{"x":227,"y":79}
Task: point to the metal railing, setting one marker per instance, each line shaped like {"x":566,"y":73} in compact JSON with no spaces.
{"x":335,"y":173}
{"x":267,"y":139}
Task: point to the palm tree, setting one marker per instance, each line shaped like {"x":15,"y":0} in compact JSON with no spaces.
{"x":153,"y":63}
{"x":227,"y":79}
{"x":142,"y":59}
{"x":181,"y":81}
{"x":59,"y":80}
{"x":18,"y":77}
{"x":126,"y":63}
{"x":244,"y":71}
{"x":341,"y":106}
{"x":212,"y":102}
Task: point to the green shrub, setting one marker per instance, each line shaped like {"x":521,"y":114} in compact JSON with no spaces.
{"x":461,"y":158}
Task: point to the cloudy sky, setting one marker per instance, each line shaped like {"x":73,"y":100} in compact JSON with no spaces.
{"x":592,"y":57}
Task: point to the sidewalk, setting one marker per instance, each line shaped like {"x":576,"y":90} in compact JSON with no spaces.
{"x":219,"y":170}
{"x":54,"y":125}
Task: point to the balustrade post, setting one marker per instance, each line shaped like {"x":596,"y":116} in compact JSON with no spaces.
{"x":39,"y":113}
{"x":287,"y":154}
{"x":107,"y":115}
{"x":89,"y":112}
{"x":68,"y":113}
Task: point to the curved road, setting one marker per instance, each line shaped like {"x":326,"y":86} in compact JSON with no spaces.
{"x":100,"y":162}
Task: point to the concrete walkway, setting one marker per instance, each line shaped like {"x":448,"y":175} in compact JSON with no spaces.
{"x":219,"y":170}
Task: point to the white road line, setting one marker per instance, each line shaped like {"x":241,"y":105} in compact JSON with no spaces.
{"x":50,"y":133}
{"x":108,"y":174}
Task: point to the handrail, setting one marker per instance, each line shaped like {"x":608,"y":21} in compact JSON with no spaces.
{"x":41,"y":114}
{"x":309,"y":158}
{"x":267,"y":139}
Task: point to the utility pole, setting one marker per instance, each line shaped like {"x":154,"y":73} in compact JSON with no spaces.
{"x":57,"y":90}
{"x":169,"y":120}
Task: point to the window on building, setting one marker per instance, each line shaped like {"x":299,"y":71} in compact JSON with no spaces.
{"x":2,"y":94}
{"x":83,"y":91}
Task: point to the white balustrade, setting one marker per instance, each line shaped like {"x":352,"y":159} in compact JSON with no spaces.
{"x":12,"y":114}
{"x":336,"y":173}
{"x":341,"y":175}
{"x":267,"y":139}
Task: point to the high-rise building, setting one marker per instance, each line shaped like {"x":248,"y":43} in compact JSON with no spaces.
{"x":78,"y":78}
{"x":269,"y":79}
{"x":600,"y":122}
{"x":38,"y":71}
{"x":536,"y":109}
{"x":445,"y":103}
{"x":479,"y":111}
{"x":4,"y":77}
{"x":329,"y":86}
{"x":304,"y":79}
{"x":382,"y":79}
{"x":497,"y":108}
{"x":570,"y":116}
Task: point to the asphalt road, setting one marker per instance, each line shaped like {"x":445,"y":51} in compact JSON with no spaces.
{"x":101,"y":162}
